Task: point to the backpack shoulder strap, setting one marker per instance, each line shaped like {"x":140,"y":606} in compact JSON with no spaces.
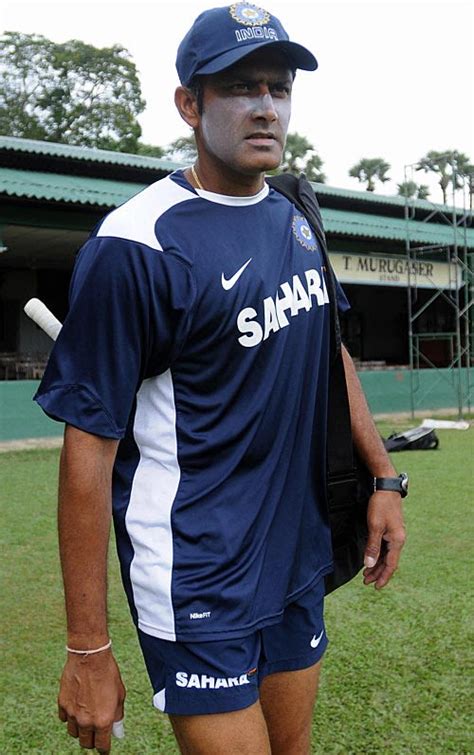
{"x":300,"y":192}
{"x":348,"y":485}
{"x":340,"y":451}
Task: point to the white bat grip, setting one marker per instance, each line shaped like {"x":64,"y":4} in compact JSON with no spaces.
{"x":118,"y":730}
{"x":42,"y":316}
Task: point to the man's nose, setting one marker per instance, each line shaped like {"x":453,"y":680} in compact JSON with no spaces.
{"x":265,"y":108}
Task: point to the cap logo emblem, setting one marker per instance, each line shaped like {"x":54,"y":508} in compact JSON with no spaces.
{"x":303,"y":233}
{"x":248,"y":14}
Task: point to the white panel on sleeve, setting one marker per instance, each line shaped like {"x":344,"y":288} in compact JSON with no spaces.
{"x":148,"y":518}
{"x":136,"y":219}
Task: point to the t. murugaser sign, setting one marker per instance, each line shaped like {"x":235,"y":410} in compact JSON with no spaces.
{"x":391,"y":270}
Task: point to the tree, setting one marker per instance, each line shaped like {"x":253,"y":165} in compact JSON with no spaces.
{"x":370,"y":169}
{"x":300,"y":155}
{"x":71,"y":92}
{"x":149,"y":150}
{"x":467,"y":172}
{"x":412,"y":189}
{"x":448,"y":166}
{"x":182,"y":150}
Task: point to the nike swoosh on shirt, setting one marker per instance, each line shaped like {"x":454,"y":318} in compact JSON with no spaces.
{"x":316,"y":640}
{"x":228,"y":283}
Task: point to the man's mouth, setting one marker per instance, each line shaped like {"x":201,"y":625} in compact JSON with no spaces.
{"x":261,"y":139}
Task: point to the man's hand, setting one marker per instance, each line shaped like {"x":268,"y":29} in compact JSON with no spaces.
{"x":91,"y":698}
{"x":386,"y":537}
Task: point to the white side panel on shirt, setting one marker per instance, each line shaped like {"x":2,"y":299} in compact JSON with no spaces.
{"x":148,"y":518}
{"x":135,"y":220}
{"x":159,"y":700}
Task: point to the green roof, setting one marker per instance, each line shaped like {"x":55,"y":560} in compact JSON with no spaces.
{"x":55,"y":187}
{"x":373,"y":198}
{"x":90,"y":154}
{"x":382,"y":227}
{"x":106,"y":193}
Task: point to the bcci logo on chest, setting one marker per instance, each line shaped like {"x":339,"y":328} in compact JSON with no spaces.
{"x":303,"y":233}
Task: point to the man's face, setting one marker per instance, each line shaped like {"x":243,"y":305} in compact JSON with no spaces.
{"x":246,"y":113}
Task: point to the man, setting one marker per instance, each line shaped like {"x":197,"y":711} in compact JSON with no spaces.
{"x":192,"y":375}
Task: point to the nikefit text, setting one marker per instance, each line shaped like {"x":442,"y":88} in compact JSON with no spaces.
{"x":290,"y":300}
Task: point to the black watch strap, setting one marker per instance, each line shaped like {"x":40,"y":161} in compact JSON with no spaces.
{"x":397,"y":484}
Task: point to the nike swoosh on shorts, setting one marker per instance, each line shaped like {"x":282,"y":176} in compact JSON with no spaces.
{"x":316,"y":640}
{"x":227,"y":284}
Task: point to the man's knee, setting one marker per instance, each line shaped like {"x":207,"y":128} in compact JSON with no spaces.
{"x":287,"y":701}
{"x":241,"y":732}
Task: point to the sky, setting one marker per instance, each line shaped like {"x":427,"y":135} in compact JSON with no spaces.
{"x":395,"y":79}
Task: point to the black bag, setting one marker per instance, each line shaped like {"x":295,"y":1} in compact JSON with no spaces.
{"x":418,"y":439}
{"x":349,"y":482}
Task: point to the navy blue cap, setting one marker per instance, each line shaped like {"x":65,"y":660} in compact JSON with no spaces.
{"x":222,"y":36}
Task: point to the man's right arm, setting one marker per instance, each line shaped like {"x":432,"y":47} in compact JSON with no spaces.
{"x":91,"y":691}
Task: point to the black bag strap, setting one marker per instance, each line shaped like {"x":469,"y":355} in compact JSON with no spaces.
{"x":300,"y":192}
{"x":340,"y":449}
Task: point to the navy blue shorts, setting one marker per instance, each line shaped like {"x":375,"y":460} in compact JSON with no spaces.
{"x":196,"y":678}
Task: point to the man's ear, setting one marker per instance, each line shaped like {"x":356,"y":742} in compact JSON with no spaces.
{"x":187,"y":106}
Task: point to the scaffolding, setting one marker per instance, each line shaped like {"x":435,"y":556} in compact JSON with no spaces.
{"x":427,"y":331}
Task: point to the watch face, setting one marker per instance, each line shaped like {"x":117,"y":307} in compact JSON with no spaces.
{"x":404,"y":482}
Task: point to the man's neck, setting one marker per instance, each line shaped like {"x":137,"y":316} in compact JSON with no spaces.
{"x":225,"y":181}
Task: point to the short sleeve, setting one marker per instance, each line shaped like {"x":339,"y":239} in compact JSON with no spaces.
{"x":130,"y":311}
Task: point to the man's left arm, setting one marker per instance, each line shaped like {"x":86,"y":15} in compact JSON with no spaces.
{"x":384,"y":516}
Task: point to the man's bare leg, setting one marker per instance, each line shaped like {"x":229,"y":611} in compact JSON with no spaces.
{"x":287,"y":701}
{"x":242,"y":732}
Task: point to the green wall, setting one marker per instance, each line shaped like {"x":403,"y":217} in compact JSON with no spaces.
{"x":20,"y":417}
{"x":386,"y":390}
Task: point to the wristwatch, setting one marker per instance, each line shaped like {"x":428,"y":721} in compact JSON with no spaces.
{"x":398,"y":484}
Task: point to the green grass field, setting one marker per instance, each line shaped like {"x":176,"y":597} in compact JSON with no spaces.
{"x":396,"y":675}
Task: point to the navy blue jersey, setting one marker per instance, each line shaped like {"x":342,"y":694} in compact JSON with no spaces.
{"x":198,"y":334}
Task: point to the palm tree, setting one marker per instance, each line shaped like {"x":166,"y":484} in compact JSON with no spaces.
{"x":468,"y":174}
{"x":300,"y":155}
{"x":296,"y":148}
{"x":313,"y":170}
{"x":370,"y":169}
{"x":412,"y":189}
{"x":448,"y":166}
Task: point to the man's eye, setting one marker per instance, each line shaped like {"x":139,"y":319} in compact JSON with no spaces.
{"x":281,"y":90}
{"x":241,"y":86}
